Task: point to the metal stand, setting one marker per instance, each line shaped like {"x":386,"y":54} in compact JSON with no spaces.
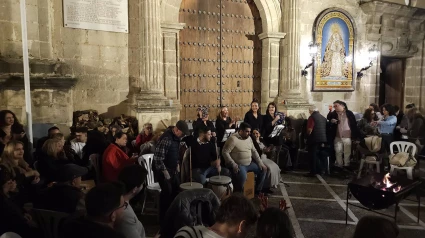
{"x":397,"y":208}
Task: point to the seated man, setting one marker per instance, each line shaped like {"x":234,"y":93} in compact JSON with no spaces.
{"x":65,"y":195}
{"x":238,"y":152}
{"x":205,"y":162}
{"x":234,"y":218}
{"x":114,"y":158}
{"x":105,"y":205}
{"x":133,"y":177}
{"x":80,"y":140}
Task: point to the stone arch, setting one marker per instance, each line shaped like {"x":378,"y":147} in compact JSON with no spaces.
{"x":270,"y":13}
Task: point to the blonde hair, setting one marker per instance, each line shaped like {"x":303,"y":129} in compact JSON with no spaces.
{"x":8,"y":158}
{"x":219,"y":112}
{"x":50,"y":147}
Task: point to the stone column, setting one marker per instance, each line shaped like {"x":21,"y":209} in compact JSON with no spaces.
{"x":170,"y":34}
{"x":290,"y":70}
{"x":270,"y":67}
{"x":151,"y":103}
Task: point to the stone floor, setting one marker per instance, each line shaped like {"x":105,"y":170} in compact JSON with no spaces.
{"x":318,"y":208}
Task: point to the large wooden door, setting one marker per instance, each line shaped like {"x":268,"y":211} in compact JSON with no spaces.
{"x":220,"y":55}
{"x":392,"y":81}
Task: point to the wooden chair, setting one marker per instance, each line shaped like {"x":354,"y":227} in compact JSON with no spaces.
{"x":49,"y":221}
{"x":94,"y":158}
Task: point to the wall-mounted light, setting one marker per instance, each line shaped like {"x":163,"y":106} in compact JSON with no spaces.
{"x":373,"y":53}
{"x":312,"y":50}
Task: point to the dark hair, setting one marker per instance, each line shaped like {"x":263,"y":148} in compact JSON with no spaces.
{"x":96,"y":143}
{"x":17,"y":127}
{"x":412,"y":105}
{"x":52,"y":129}
{"x":5,"y":176}
{"x":119,"y":135}
{"x":374,"y":226}
{"x":389,"y":108}
{"x":81,"y":130}
{"x":396,"y":108}
{"x":255,"y":101}
{"x":235,"y":209}
{"x":367,"y":114}
{"x":2,"y":134}
{"x":275,"y":108}
{"x":341,"y":103}
{"x":375,"y":107}
{"x":132,"y":176}
{"x":274,"y":223}
{"x":203,"y":129}
{"x":243,"y":126}
{"x":104,"y":199}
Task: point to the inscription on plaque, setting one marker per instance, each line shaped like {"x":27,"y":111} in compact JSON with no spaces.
{"x":102,"y":15}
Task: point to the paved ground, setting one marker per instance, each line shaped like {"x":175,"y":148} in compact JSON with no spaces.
{"x":318,"y":208}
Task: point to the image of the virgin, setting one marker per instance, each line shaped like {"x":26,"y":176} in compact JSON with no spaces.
{"x":334,"y":57}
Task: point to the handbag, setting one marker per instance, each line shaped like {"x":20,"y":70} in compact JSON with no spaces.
{"x":403,"y":159}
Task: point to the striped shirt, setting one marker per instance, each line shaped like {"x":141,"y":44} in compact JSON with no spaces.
{"x":196,"y":232}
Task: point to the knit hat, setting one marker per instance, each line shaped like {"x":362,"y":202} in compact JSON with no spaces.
{"x":182,"y":126}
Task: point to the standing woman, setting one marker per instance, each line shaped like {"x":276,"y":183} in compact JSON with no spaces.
{"x":272,"y":119}
{"x":253,"y":117}
{"x":15,"y":131}
{"x":223,"y":123}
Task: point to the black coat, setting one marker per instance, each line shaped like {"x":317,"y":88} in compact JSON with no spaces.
{"x":181,"y":213}
{"x":256,"y":123}
{"x":221,"y":127}
{"x":352,"y":123}
{"x":200,"y":123}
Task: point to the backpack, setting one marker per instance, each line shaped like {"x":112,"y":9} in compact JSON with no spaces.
{"x":202,"y":213}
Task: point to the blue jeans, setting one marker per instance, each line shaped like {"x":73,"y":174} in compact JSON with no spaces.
{"x":200,"y":175}
{"x":239,"y":178}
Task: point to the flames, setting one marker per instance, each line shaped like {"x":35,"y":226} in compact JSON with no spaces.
{"x":388,"y":184}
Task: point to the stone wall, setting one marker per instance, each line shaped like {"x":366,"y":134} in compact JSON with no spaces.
{"x":103,"y":62}
{"x":49,"y":105}
{"x":365,"y":89}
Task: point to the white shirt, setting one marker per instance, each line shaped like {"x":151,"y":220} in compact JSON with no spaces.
{"x":78,"y":147}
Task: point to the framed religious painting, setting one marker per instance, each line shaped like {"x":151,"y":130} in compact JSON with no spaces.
{"x":334,"y":34}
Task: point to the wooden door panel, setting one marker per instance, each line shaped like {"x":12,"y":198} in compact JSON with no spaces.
{"x":239,"y":25}
{"x":394,"y":78}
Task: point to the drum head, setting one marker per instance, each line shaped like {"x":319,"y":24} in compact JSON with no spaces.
{"x":224,"y":180}
{"x":188,"y":186}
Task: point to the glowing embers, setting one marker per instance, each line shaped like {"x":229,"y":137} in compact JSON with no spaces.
{"x":387,"y":185}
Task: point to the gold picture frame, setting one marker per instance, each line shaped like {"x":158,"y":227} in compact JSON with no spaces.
{"x":335,"y":36}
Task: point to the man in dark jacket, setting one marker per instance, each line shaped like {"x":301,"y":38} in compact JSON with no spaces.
{"x":166,"y":164}
{"x":316,"y":140}
{"x":343,"y":128}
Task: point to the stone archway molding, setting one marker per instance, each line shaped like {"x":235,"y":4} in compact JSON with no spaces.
{"x":270,"y":13}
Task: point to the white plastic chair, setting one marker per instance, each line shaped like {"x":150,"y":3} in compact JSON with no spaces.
{"x":403,"y":146}
{"x":146,"y":161}
{"x":373,"y":160}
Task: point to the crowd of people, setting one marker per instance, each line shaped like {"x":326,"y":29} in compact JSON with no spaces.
{"x":50,"y":178}
{"x":337,"y":135}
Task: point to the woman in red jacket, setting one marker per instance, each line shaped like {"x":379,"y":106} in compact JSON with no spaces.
{"x":115,"y":158}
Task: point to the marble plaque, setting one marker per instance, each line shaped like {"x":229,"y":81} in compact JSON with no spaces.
{"x":102,"y":15}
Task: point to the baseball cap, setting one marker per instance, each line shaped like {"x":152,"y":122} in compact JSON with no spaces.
{"x":182,"y":125}
{"x":69,"y":172}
